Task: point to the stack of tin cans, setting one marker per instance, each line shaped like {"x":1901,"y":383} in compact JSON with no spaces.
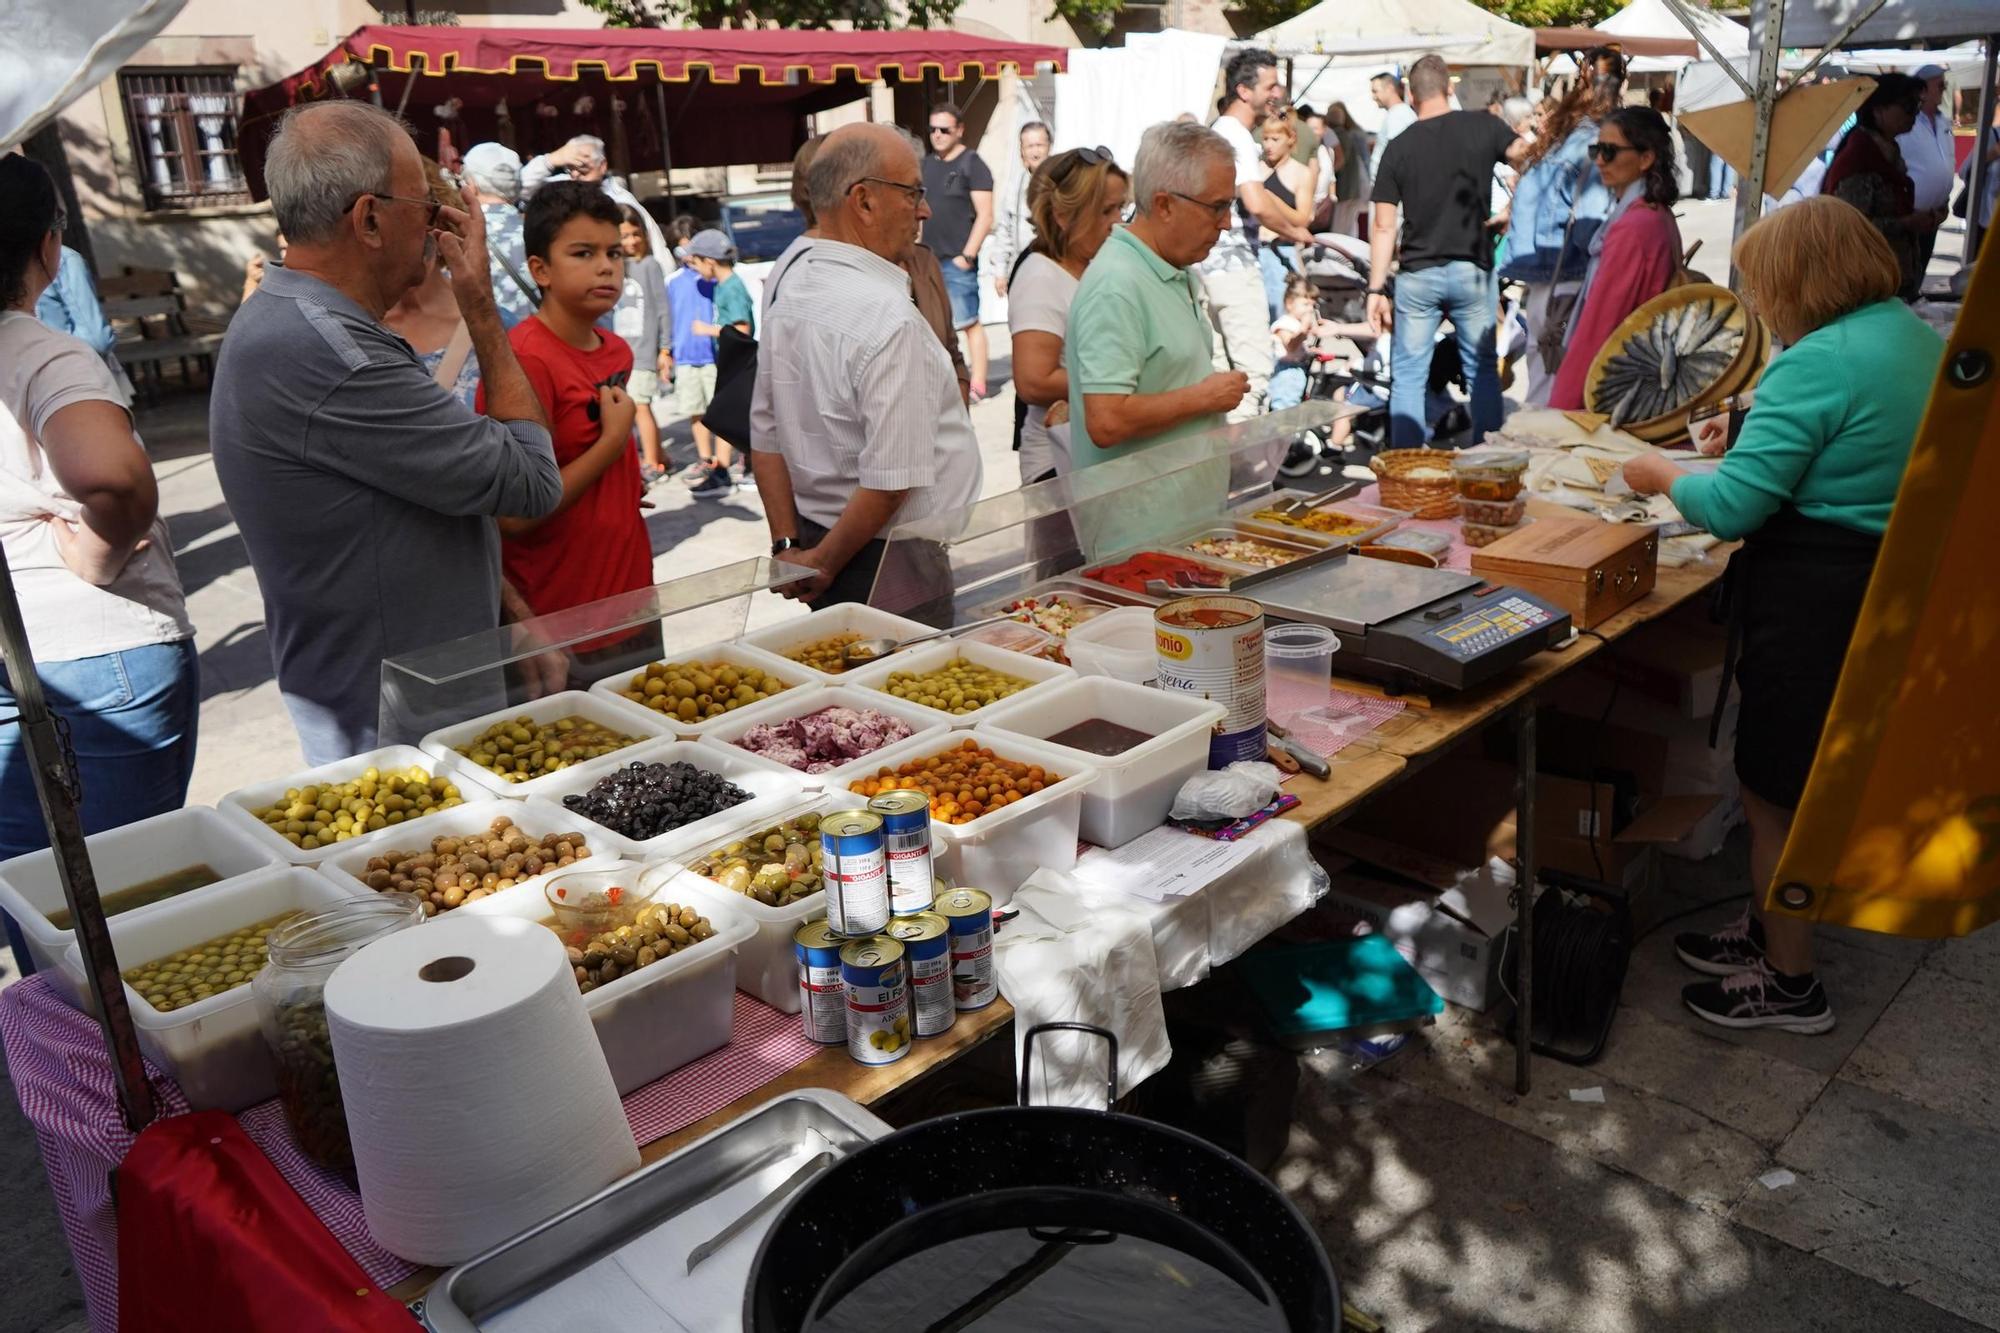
{"x":898,"y":954}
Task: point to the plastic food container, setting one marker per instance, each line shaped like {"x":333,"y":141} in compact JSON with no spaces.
{"x":840,"y":618}
{"x":794,"y":676}
{"x":1016,"y":637}
{"x":212,"y":1047}
{"x":1494,"y":513}
{"x":442,"y":745}
{"x":1485,"y":534}
{"x":997,"y":852}
{"x":237,"y":806}
{"x":766,"y":966}
{"x":535,"y":817}
{"x":1037,"y":671}
{"x":1489,"y":474}
{"x":921,"y":721}
{"x":1134,"y":790}
{"x":770,"y":789}
{"x":1298,"y":663}
{"x":1118,"y":644}
{"x":123,"y":858}
{"x":1416,"y":539}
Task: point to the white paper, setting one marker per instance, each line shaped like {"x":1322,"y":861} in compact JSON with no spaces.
{"x":1587,"y":1095}
{"x":1777,"y":1179}
{"x":1165,"y":863}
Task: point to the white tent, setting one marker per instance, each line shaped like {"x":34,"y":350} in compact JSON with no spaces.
{"x":1384,"y":32}
{"x":1110,"y":96}
{"x":1817,"y":22}
{"x":54,"y":51}
{"x":1653,"y":18}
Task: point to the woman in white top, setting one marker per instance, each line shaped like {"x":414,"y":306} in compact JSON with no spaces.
{"x":90,"y":556}
{"x":1075,"y":198}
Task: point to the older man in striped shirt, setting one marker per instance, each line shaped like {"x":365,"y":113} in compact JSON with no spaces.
{"x":857,"y":416}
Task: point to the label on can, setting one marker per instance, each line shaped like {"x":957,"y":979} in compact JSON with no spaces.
{"x":822,"y":994}
{"x":970,"y":915}
{"x":878,"y":1001}
{"x":906,"y":834}
{"x":856,"y":872}
{"x":926,"y":939}
{"x":1213,"y":648}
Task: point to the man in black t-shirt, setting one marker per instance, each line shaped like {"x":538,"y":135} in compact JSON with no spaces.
{"x":960,"y":189}
{"x":1440,"y":172}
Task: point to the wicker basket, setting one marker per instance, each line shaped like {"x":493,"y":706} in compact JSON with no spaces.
{"x":1424,"y":497}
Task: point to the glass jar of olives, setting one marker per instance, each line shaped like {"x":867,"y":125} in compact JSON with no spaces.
{"x":291,"y":1010}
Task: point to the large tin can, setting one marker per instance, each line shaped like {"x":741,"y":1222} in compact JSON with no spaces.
{"x":822,"y":994}
{"x":878,"y":1001}
{"x":1213,"y":648}
{"x":906,"y":835}
{"x":926,"y":939}
{"x":969,"y":914}
{"x":856,"y":871}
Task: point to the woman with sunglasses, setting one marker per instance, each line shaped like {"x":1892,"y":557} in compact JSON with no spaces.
{"x":1075,"y":198}
{"x":1635,"y":254}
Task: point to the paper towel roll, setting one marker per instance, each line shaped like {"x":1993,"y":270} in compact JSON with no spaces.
{"x":477,"y":1097}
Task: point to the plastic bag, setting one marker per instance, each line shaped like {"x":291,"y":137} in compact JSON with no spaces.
{"x":1242,"y":789}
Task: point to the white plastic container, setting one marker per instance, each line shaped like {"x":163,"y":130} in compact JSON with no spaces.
{"x":442,"y":745}
{"x":840,"y":618}
{"x":213,"y":1047}
{"x":1118,"y":644}
{"x":794,"y":676}
{"x":653,"y":1021}
{"x":1134,"y":790}
{"x":771,"y":788}
{"x":997,"y":852}
{"x":122,"y":858}
{"x":921,"y":721}
{"x":535,"y":817}
{"x":238,"y":805}
{"x":1038,"y":672}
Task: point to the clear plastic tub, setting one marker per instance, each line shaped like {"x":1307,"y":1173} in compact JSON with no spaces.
{"x":212,"y":1048}
{"x":1118,"y":644}
{"x":920,"y":720}
{"x":840,"y":618}
{"x":997,"y":852}
{"x":1037,"y":671}
{"x":1016,"y":637}
{"x":535,"y":817}
{"x":237,"y":806}
{"x":794,"y":676}
{"x":1135,"y":789}
{"x":1416,"y":539}
{"x":1485,"y":534}
{"x":652,"y":1021}
{"x":1494,"y":513}
{"x":1489,"y":474}
{"x":442,"y":745}
{"x":123,"y":858}
{"x":1298,"y":662}
{"x":770,"y":789}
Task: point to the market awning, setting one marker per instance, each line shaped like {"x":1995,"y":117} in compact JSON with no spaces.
{"x":729,"y":95}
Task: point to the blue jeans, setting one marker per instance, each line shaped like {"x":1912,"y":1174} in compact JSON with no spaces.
{"x":1275,"y":263}
{"x":1462,"y":292}
{"x":1721,"y":177}
{"x":132,"y":717}
{"x":1288,"y":387}
{"x":962,"y":286}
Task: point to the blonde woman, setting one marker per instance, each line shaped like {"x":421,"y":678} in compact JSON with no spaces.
{"x":1294,"y":185}
{"x":1075,"y":198}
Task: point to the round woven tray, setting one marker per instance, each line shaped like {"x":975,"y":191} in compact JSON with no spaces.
{"x":1740,"y":374}
{"x":1423,"y":497}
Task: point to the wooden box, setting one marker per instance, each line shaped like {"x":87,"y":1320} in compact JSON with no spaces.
{"x":1589,"y":568}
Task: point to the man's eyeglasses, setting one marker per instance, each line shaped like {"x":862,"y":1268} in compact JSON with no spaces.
{"x":1605,"y":152}
{"x":431,"y":206}
{"x":1217,"y":208}
{"x":916,"y":192}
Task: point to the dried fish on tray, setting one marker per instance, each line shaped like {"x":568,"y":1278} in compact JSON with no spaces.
{"x":1671,"y":354}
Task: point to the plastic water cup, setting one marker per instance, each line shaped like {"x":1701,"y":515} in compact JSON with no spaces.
{"x":1298,"y":665}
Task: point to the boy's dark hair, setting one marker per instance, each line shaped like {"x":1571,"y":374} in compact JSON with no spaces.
{"x":558,"y":202}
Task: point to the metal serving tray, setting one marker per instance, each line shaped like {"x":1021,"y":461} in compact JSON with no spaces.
{"x":618,"y":1260}
{"x":1385,"y":519}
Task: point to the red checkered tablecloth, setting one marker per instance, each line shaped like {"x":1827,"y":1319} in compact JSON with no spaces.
{"x":62,"y":1076}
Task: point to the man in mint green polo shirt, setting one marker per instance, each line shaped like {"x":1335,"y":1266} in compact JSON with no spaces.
{"x":1138,"y":346}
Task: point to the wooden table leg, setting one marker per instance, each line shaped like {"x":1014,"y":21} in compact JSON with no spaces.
{"x":1524,"y":892}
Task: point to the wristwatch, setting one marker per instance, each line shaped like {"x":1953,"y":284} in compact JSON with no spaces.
{"x":784,"y":544}
{"x":1378,"y":291}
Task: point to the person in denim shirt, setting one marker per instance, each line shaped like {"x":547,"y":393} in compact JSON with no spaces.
{"x":495,"y":171}
{"x":1559,"y":203}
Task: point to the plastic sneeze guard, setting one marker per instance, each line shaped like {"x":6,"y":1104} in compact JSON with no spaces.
{"x":449,"y":682}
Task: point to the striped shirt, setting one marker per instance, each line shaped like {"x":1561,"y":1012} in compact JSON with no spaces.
{"x":854,"y":389}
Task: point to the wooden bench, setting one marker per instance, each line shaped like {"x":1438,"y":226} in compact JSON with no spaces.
{"x":150,"y":311}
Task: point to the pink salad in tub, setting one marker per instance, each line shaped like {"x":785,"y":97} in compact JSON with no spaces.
{"x":819,"y":742}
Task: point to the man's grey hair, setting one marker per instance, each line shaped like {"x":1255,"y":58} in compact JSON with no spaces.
{"x":324,"y":156}
{"x":840,"y":165}
{"x":1174,"y":157}
{"x":591,"y":142}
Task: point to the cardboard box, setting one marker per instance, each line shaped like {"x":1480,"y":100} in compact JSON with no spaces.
{"x":1676,"y":660}
{"x":1450,"y":936}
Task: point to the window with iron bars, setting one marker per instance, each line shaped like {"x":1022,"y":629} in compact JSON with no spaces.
{"x":183,"y":124}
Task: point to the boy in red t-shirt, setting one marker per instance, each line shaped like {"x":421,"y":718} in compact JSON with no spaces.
{"x":594,"y":544}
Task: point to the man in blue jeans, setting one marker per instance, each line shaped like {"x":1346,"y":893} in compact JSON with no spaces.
{"x":960,"y":187}
{"x":1439,"y":171}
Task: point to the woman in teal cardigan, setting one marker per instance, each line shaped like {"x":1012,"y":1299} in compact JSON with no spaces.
{"x":1808,"y":488}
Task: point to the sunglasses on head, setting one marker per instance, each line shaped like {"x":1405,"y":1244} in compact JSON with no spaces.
{"x":1085,"y":157}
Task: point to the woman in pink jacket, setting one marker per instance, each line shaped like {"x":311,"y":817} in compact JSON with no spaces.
{"x":1635,"y":254}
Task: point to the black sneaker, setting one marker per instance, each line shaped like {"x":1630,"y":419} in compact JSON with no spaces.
{"x":1758,"y":998}
{"x":1736,"y":947}
{"x":713,"y":486}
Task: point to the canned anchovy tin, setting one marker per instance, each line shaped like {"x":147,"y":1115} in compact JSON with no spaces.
{"x":906,"y":832}
{"x":969,"y":912}
{"x":926,"y":941}
{"x":856,"y":872}
{"x":878,"y":1001}
{"x":822,"y":995}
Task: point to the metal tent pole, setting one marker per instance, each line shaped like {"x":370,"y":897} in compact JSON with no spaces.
{"x":46,"y":743}
{"x":1750,"y":190}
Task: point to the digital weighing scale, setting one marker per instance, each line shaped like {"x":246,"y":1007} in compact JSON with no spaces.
{"x":1406,"y":626}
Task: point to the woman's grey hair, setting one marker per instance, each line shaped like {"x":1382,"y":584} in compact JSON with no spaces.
{"x":1174,"y":157}
{"x":590,"y":142}
{"x":1516,"y":110}
{"x":842,"y":162}
{"x":323,"y":157}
